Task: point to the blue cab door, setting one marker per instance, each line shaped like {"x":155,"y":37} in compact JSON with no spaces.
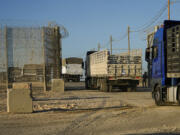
{"x":158,"y":67}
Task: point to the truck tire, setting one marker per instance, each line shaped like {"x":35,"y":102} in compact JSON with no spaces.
{"x":134,"y":88}
{"x":158,"y":96}
{"x":86,"y":86}
{"x":109,"y":88}
{"x":103,"y":86}
{"x":129,"y":89}
{"x":87,"y":83}
{"x":98,"y":84}
{"x":178,"y":95}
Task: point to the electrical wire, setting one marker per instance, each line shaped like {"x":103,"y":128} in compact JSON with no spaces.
{"x":145,"y":26}
{"x":175,"y":1}
{"x":105,"y":46}
{"x":121,"y":38}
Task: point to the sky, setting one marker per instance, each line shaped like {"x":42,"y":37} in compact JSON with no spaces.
{"x":90,"y":22}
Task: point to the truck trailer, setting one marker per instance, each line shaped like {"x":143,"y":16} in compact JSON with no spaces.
{"x":105,"y":71}
{"x":164,"y":59}
{"x":72,"y":69}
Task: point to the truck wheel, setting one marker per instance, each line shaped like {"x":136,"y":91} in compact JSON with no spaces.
{"x":103,"y":86}
{"x":129,"y":89}
{"x":134,"y":88}
{"x":157,"y":96}
{"x":87,"y":84}
{"x":98,"y":84}
{"x":110,"y":88}
{"x":178,"y":95}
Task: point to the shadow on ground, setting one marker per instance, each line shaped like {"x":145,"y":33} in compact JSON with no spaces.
{"x":69,"y":98}
{"x":73,"y":86}
{"x":158,"y":134}
{"x":142,"y":89}
{"x":83,"y":109}
{"x":139,"y":89}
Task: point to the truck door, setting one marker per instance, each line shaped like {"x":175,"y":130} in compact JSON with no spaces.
{"x":157,"y":59}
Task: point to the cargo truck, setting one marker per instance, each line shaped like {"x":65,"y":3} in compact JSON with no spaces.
{"x":105,"y":71}
{"x":72,"y":69}
{"x":163,"y":58}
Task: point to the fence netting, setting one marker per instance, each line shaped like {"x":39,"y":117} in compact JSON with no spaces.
{"x":30,"y":54}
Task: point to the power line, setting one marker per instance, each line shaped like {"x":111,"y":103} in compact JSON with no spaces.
{"x":121,"y":38}
{"x":106,"y":45}
{"x":160,"y":22}
{"x":145,"y":26}
{"x":175,"y":1}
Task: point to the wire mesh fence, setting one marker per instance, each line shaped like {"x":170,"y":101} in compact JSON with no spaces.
{"x":29,"y":54}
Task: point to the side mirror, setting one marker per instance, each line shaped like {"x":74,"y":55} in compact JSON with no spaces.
{"x":147,"y":55}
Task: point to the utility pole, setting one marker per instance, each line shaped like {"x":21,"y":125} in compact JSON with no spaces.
{"x":111,"y":44}
{"x":6,"y":52}
{"x":99,"y":46}
{"x":168,"y":9}
{"x":128,"y":40}
{"x":128,"y":50}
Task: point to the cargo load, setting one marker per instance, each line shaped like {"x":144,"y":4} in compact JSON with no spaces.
{"x":101,"y":66}
{"x":72,"y":69}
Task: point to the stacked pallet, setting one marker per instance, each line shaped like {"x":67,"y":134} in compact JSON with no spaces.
{"x":120,"y":70}
{"x":125,"y":64}
{"x":104,"y":64}
{"x":118,"y":59}
{"x":173,"y":51}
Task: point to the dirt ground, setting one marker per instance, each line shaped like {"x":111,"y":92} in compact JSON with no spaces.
{"x":89,"y":112}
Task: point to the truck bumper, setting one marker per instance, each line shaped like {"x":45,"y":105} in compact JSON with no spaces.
{"x":123,"y":82}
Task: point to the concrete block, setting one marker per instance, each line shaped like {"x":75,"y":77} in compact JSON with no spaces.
{"x":21,"y":86}
{"x":57,"y":85}
{"x":19,"y":101}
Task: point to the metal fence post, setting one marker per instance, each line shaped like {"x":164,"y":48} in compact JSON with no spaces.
{"x":6,"y":53}
{"x":44,"y":64}
{"x":58,"y":45}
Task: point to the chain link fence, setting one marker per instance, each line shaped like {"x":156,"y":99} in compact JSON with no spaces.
{"x":30,"y":54}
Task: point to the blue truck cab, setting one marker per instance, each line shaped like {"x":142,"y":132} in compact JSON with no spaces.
{"x":164,"y":57}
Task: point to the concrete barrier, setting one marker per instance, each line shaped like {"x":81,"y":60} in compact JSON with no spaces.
{"x":57,"y":85}
{"x":21,"y":86}
{"x":19,"y":100}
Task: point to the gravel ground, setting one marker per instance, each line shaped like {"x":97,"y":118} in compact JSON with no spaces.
{"x":78,"y":112}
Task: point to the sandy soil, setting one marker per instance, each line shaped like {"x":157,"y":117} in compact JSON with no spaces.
{"x":89,"y":112}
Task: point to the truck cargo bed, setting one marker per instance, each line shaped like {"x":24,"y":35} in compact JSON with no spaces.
{"x":123,"y":65}
{"x":173,"y":52}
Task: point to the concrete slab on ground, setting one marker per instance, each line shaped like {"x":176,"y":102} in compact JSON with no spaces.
{"x":19,"y":101}
{"x":21,"y":86}
{"x":57,"y":85}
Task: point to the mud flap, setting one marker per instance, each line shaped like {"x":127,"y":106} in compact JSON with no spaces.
{"x":172,"y":94}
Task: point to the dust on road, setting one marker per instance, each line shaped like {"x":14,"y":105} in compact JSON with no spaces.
{"x":79,"y":111}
